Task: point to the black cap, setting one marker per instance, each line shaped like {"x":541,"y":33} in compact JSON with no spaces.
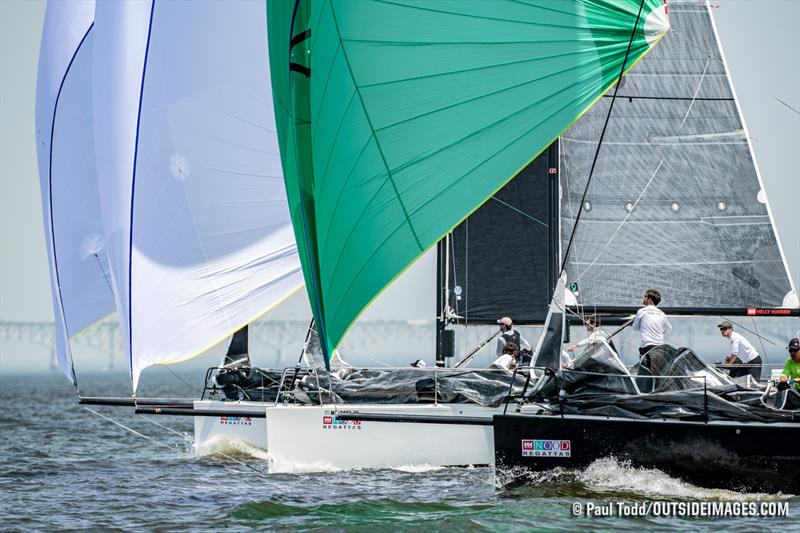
{"x":794,"y":343}
{"x":725,"y":325}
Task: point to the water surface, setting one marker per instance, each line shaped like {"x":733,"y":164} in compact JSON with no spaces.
{"x":67,"y":468}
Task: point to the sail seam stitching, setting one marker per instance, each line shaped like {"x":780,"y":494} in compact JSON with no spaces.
{"x":647,"y":185}
{"x":374,"y":133}
{"x":602,"y":134}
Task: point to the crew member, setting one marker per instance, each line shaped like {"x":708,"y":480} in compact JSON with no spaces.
{"x":509,"y":334}
{"x":651,"y":322}
{"x":791,"y":370}
{"x":789,"y":383}
{"x":744,"y":358}
{"x":592,"y":325}
{"x":508,"y":359}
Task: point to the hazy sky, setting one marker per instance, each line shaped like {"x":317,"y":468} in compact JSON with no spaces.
{"x":760,"y":41}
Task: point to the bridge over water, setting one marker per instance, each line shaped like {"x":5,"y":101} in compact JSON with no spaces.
{"x":378,"y":343}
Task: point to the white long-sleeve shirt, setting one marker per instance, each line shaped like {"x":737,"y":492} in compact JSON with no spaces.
{"x":653,"y":325}
{"x":593,"y":338}
{"x":501,"y":342}
{"x":741,"y":348}
{"x":504,"y":361}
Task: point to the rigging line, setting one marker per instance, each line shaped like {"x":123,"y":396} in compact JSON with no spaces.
{"x":566,"y":171}
{"x":466,"y":274}
{"x":602,"y":134}
{"x":358,"y":352}
{"x":191,"y":389}
{"x":697,"y":46}
{"x":496,"y":199}
{"x":566,"y":310}
{"x":787,"y":105}
{"x":188,"y":438}
{"x":304,"y":349}
{"x":761,"y":341}
{"x":647,"y":185}
{"x":451,"y":240}
{"x":164,"y":444}
{"x":103,"y":270}
{"x":703,"y":99}
{"x":108,"y":418}
{"x":185,"y":436}
{"x":262,"y":321}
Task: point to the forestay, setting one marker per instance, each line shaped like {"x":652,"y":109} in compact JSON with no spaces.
{"x":194,"y":203}
{"x":70,"y":202}
{"x":676,"y":201}
{"x":398,"y":119}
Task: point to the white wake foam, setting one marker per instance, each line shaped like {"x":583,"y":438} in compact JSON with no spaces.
{"x":225,"y":445}
{"x":611,"y":475}
{"x":417,"y":469}
{"x":279,"y":465}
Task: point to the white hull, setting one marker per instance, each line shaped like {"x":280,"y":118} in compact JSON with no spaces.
{"x":214,"y":432}
{"x":311,"y":438}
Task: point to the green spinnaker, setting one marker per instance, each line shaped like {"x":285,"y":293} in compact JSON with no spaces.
{"x":396,"y":119}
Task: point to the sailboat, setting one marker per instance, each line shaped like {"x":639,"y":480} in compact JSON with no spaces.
{"x":676,"y":201}
{"x":384,"y":125}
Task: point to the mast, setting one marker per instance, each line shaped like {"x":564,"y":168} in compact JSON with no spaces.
{"x":445,"y":338}
{"x":438,"y":314}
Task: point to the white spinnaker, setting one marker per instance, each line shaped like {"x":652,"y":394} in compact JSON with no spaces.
{"x":70,"y":200}
{"x":197,"y":218}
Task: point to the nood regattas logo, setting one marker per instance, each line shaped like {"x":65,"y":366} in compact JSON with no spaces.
{"x":546,"y":448}
{"x":236,"y":420}
{"x":331,"y":422}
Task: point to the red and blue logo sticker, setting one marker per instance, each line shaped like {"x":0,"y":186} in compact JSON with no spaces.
{"x":331,"y":422}
{"x":546,"y":448}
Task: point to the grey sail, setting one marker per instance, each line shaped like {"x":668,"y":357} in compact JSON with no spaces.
{"x":675,"y":201}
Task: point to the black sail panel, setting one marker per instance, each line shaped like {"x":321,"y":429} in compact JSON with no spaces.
{"x":238,"y":350}
{"x":503,"y":259}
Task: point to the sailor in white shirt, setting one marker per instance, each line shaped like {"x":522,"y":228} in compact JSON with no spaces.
{"x":743,"y":355}
{"x":651,"y":322}
{"x":592,"y":323}
{"x":508,"y":360}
